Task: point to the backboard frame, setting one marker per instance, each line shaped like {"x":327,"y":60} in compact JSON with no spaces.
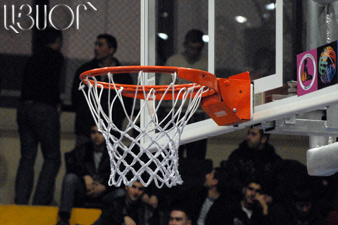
{"x":268,"y":112}
{"x":211,"y":128}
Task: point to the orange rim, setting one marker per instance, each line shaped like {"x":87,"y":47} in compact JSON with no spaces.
{"x":200,"y":77}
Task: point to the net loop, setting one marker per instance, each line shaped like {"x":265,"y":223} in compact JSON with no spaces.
{"x":148,"y":153}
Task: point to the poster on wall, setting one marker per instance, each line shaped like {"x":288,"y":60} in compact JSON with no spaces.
{"x":327,"y":65}
{"x":307,"y":80}
{"x":317,"y":68}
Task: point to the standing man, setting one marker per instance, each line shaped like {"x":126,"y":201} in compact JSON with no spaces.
{"x":191,"y":57}
{"x":104,"y":49}
{"x":38,"y":120}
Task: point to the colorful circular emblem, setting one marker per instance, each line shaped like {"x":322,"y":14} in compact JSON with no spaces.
{"x":327,"y":65}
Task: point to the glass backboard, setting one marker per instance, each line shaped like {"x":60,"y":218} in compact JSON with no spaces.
{"x":262,"y":37}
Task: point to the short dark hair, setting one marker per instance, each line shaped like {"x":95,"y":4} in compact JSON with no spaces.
{"x":184,"y":209}
{"x":111,"y":40}
{"x":194,"y":36}
{"x":253,"y":178}
{"x":302,"y":194}
{"x":49,"y":35}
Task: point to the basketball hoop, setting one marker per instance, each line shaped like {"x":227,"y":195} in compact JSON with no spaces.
{"x":152,"y":153}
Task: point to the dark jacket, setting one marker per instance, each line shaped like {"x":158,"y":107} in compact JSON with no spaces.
{"x":239,"y":217}
{"x":114,"y":213}
{"x":245,"y":162}
{"x":217,"y":213}
{"x":285,"y":213}
{"x":42,"y":76}
{"x":84,"y":119}
{"x":81,"y":162}
{"x":251,"y":160}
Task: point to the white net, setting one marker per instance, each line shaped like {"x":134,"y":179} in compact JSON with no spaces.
{"x":148,"y":153}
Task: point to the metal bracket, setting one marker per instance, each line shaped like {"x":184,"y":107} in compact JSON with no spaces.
{"x":332,"y":117}
{"x":318,"y":123}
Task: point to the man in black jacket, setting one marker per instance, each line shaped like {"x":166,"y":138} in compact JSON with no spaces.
{"x":299,"y":207}
{"x":128,"y":209}
{"x":105,"y":48}
{"x":253,"y":208}
{"x":254,"y":155}
{"x":86,"y":181}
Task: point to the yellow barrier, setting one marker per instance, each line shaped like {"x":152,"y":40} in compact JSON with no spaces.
{"x":44,"y":215}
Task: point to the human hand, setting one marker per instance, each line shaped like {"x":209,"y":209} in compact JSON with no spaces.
{"x":99,"y":189}
{"x":264,"y":200}
{"x":129,"y":221}
{"x":90,"y":184}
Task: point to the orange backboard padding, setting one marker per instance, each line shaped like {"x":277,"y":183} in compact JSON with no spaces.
{"x":233,"y":106}
{"x":219,"y":111}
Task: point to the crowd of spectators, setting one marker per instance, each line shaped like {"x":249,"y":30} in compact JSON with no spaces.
{"x":253,"y":186}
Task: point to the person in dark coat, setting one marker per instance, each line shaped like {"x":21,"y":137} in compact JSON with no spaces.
{"x":300,"y":209}
{"x":254,"y":155}
{"x":86,"y":180}
{"x":38,"y":118}
{"x":253,"y":208}
{"x":105,"y":48}
{"x":208,"y":206}
{"x":128,"y":209}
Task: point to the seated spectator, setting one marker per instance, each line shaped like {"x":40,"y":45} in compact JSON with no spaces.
{"x":254,"y":155}
{"x":86,"y":180}
{"x":209,"y":205}
{"x":288,"y":174}
{"x":301,"y":209}
{"x":128,"y":209}
{"x":179,"y":216}
{"x":253,"y":207}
